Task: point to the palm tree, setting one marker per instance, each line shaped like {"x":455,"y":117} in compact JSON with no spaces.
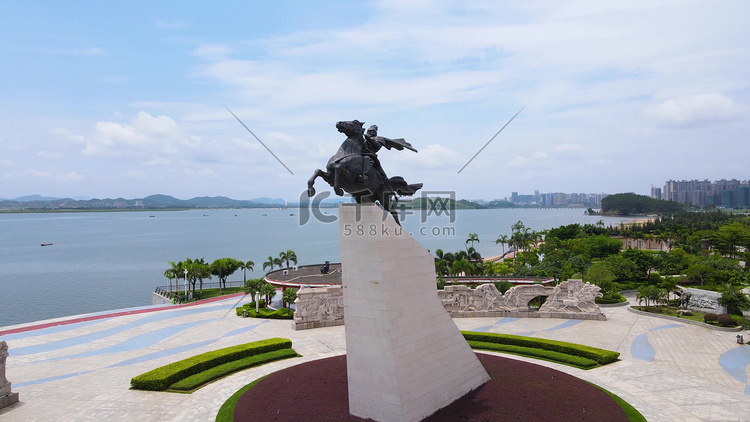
{"x":289,"y":296}
{"x":269,"y":264}
{"x":278,"y":262}
{"x":503,"y":240}
{"x":473,"y":237}
{"x":287,"y":256}
{"x":269,"y":291}
{"x":175,"y":271}
{"x":245,"y":267}
{"x":197,"y":269}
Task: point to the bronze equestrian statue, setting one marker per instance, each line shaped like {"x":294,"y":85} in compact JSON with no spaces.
{"x":356,"y":169}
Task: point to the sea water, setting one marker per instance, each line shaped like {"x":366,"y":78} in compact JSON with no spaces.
{"x":111,"y":260}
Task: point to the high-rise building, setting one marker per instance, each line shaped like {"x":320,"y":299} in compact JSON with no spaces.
{"x":655,"y":192}
{"x":722,"y":193}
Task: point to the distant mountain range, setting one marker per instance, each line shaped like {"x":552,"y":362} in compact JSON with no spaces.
{"x":155,"y":202}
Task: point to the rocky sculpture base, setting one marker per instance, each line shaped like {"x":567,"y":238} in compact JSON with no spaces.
{"x":406,"y":358}
{"x":8,"y":399}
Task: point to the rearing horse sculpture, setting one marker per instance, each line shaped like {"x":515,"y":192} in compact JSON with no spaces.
{"x":355,"y":169}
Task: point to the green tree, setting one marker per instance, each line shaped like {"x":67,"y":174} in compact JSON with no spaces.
{"x":289,"y":296}
{"x":602,"y":246}
{"x":502,"y":240}
{"x":701,"y":273}
{"x":269,"y":291}
{"x":643,"y":260}
{"x":223,"y":268}
{"x":734,"y":300}
{"x":624,"y":269}
{"x":175,"y":271}
{"x":601,"y":275}
{"x":269,"y":264}
{"x":730,"y":237}
{"x":473,"y":238}
{"x":197,"y":270}
{"x":245,"y":267}
{"x":286,"y":256}
{"x":253,"y":286}
{"x":650,"y":293}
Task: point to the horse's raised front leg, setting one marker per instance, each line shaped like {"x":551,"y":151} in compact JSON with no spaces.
{"x":311,"y":182}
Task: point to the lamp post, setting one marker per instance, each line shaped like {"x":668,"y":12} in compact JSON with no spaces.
{"x":185,"y":270}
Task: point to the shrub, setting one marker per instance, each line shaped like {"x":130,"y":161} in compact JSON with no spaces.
{"x":440,"y":284}
{"x":740,"y":321}
{"x":194,"y":381}
{"x":610,"y":298}
{"x":161,"y":378}
{"x":577,"y":361}
{"x":283,"y":313}
{"x":709,"y":318}
{"x":725,"y":320}
{"x":249,"y":306}
{"x":601,"y":356}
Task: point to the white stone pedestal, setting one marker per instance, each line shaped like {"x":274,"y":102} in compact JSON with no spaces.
{"x":406,"y":358}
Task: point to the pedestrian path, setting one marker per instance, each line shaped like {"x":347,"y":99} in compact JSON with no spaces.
{"x":80,"y":368}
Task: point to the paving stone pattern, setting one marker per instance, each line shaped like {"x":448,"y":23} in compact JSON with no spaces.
{"x":82,"y":371}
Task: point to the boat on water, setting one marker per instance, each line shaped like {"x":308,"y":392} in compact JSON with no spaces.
{"x":46,"y":244}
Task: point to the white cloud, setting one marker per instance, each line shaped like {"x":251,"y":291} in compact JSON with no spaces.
{"x":67,"y":135}
{"x":53,"y":174}
{"x":146,"y":134}
{"x":5,"y":162}
{"x":49,"y":155}
{"x":213,"y":52}
{"x":695,"y":109}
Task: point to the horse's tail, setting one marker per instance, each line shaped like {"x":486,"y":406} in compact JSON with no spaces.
{"x":399,"y":185}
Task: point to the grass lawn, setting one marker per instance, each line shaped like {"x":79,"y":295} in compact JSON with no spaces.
{"x":209,"y":293}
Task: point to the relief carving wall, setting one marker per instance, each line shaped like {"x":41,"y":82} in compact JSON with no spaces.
{"x":571,"y":299}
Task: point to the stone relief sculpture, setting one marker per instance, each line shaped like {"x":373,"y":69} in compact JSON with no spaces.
{"x":570,"y":299}
{"x":318,"y":307}
{"x":356,"y":169}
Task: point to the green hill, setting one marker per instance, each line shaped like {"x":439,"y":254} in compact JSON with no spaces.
{"x":631,"y":203}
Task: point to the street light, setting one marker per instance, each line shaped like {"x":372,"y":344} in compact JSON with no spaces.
{"x":185,"y":270}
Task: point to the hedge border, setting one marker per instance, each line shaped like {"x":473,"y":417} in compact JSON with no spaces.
{"x":576,"y":361}
{"x":161,"y":378}
{"x":200,"y":379}
{"x":601,"y":356}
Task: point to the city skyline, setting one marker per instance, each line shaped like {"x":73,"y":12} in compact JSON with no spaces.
{"x":130,"y":99}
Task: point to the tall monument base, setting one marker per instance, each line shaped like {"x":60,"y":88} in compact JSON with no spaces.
{"x":406,"y":358}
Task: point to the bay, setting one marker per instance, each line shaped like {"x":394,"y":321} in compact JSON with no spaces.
{"x":112,"y":260}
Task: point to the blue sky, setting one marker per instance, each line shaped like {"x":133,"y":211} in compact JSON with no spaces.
{"x":108,"y":99}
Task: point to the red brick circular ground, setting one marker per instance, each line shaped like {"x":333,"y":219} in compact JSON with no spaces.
{"x":518,"y":391}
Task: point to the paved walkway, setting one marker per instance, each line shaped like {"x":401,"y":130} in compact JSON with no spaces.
{"x":81,"y":370}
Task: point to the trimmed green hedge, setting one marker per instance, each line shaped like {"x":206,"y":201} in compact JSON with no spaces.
{"x":161,"y":378}
{"x":194,"y":381}
{"x":601,"y":356}
{"x":576,"y":361}
{"x":283,"y":313}
{"x":249,"y":306}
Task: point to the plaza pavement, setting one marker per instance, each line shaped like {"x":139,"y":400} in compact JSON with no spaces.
{"x":81,"y":370}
